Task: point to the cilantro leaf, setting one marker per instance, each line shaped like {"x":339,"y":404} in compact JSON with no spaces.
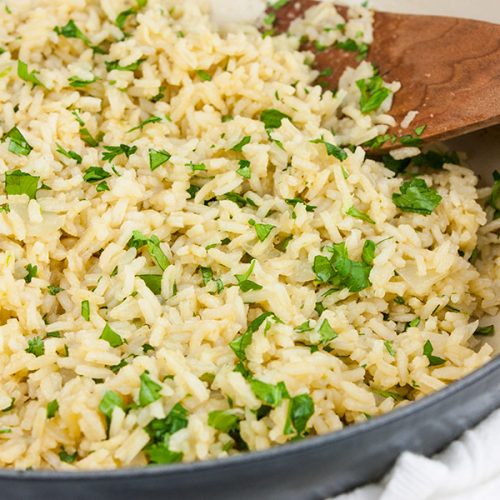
{"x":115,"y":65}
{"x":223,"y":421}
{"x":158,"y":157}
{"x":153,"y":282}
{"x":351,"y":45}
{"x":64,"y":456}
{"x":111,"y":337}
{"x":18,"y":144}
{"x":156,"y":252}
{"x":19,"y":182}
{"x":262,"y":230}
{"x":85,"y":310}
{"x":368,"y":253}
{"x":270,"y":394}
{"x":32,"y":272}
{"x":161,"y":454}
{"x":24,"y":74}
{"x":486,"y":331}
{"x":433,"y":360}
{"x":240,"y":344}
{"x":5,"y":208}
{"x":77,"y":82}
{"x":416,"y":197}
{"x":113,"y":151}
{"x":95,"y":174}
{"x":239,"y":147}
{"x":149,"y":390}
{"x":52,"y":408}
{"x":390,"y":348}
{"x":36,"y":346}
{"x":69,"y":154}
{"x":203,"y":75}
{"x":373,"y":93}
{"x":332,"y":149}
{"x":109,"y":402}
{"x":54,"y":290}
{"x":151,"y":119}
{"x":244,"y":283}
{"x":354,"y":212}
{"x":326,"y":332}
{"x":239,"y":200}
{"x":272,"y":118}
{"x":300,"y":410}
{"x":245,"y":169}
{"x":295,"y":201}
{"x":89,"y":139}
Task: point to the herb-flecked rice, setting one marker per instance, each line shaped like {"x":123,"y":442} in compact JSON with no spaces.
{"x":198,"y":258}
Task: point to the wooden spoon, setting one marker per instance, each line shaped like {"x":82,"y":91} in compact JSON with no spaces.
{"x":449,"y":69}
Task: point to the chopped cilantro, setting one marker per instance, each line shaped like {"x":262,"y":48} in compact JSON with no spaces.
{"x":111,"y":337}
{"x":18,"y":144}
{"x":54,"y":290}
{"x":109,"y":402}
{"x":149,"y":390}
{"x":417,"y":197}
{"x":36,"y":346}
{"x":368,"y":253}
{"x":414,"y":322}
{"x":351,"y":45}
{"x":399,"y":300}
{"x":295,"y":201}
{"x":433,"y":360}
{"x":239,"y":200}
{"x":245,"y":169}
{"x":223,"y":421}
{"x":102,"y":186}
{"x":19,"y":182}
{"x":272,"y":118}
{"x":262,"y":230}
{"x":270,"y":394}
{"x":113,"y":151}
{"x":56,"y":334}
{"x":77,"y":82}
{"x":420,"y":130}
{"x":244,"y":283}
{"x":239,"y":147}
{"x":354,"y":212}
{"x":332,"y":149}
{"x":95,"y":174}
{"x":64,"y":456}
{"x":326,"y":332}
{"x":153,"y":282}
{"x":89,"y":139}
{"x":486,"y":331}
{"x":239,"y":344}
{"x":147,"y":121}
{"x":115,"y":65}
{"x":204,"y":75}
{"x":304,"y":327}
{"x":52,"y":408}
{"x":157,"y":158}
{"x":121,"y":18}
{"x":390,"y":348}
{"x":300,"y":410}
{"x":373,"y":93}
{"x":85,"y":310}
{"x":32,"y":272}
{"x":5,"y":208}
{"x":71,"y":30}
{"x":408,"y":140}
{"x":24,"y":74}
{"x":69,"y":154}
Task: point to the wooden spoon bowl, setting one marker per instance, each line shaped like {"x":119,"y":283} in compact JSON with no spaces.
{"x":449,"y":69}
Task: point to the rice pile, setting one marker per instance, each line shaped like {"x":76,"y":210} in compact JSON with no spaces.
{"x":191,"y":265}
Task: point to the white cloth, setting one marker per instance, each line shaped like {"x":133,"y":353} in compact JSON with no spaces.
{"x":469,"y":469}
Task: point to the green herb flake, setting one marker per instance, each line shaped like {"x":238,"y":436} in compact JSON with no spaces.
{"x":24,"y":74}
{"x":95,"y":174}
{"x":52,"y":408}
{"x":54,"y":290}
{"x":149,"y":390}
{"x":373,"y":93}
{"x":64,"y":456}
{"x":368,"y":252}
{"x":109,"y":402}
{"x":18,"y":182}
{"x":4,"y":208}
{"x":89,"y":139}
{"x":240,"y":344}
{"x":300,"y":410}
{"x":56,"y":335}
{"x":420,"y":130}
{"x":113,"y":151}
{"x":245,"y":169}
{"x":410,"y":141}
{"x":69,"y":154}
{"x":203,"y":75}
{"x":390,"y":348}
{"x":332,"y":149}
{"x":272,"y":118}
{"x":147,"y":121}
{"x":239,"y":147}
{"x":262,"y":230}
{"x":18,"y":144}
{"x":111,"y":337}
{"x":354,"y":212}
{"x":36,"y":346}
{"x":295,"y":201}
{"x":414,"y":322}
{"x":433,"y":360}
{"x":326,"y":332}
{"x":223,"y":421}
{"x":271,"y":395}
{"x":31,"y":271}
{"x":85,"y":310}
{"x":115,"y":65}
{"x":157,"y":253}
{"x":244,"y":283}
{"x":206,"y":274}
{"x":157,"y":157}
{"x":416,"y":197}
{"x":78,"y":83}
{"x":71,"y":30}
{"x":485,"y":331}
{"x":153,"y":282}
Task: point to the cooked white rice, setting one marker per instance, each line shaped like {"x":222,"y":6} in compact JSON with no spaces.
{"x":70,"y":399}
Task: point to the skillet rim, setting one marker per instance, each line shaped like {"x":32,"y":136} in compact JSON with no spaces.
{"x":276,"y":452}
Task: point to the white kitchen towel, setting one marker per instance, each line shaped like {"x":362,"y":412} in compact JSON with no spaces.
{"x":469,"y":469}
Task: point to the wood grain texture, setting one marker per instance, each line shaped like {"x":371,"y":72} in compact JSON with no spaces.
{"x":449,"y":68}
